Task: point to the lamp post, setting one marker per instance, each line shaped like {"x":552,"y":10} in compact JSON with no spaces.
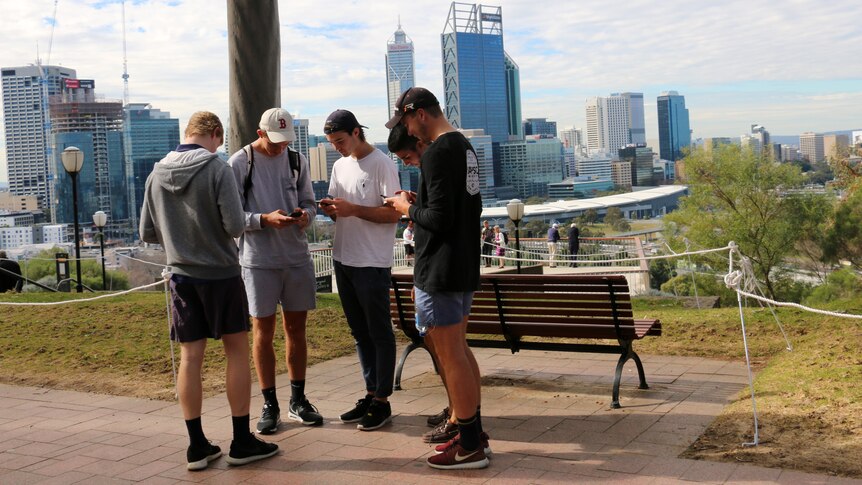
{"x":515,"y":209}
{"x":100,"y":219}
{"x":73,"y":162}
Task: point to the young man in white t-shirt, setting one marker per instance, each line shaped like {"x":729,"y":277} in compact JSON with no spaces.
{"x":362,"y":254}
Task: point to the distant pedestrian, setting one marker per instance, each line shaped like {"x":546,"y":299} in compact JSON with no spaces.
{"x":487,"y":243}
{"x":408,"y":242}
{"x":500,"y":245}
{"x":10,"y":281}
{"x":553,"y":241}
{"x":192,"y":208}
{"x":574,"y":244}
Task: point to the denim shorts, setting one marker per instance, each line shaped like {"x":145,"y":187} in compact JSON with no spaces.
{"x":442,"y":308}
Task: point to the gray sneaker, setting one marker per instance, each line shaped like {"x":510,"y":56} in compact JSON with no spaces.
{"x":270,"y":418}
{"x":304,"y":412}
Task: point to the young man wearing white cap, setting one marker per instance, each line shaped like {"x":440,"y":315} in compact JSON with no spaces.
{"x":362,"y":255}
{"x":275,"y":186}
{"x":446,"y":213}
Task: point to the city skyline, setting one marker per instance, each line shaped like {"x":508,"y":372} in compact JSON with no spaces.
{"x":736,"y":64}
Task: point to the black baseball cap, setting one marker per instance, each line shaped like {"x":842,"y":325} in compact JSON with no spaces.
{"x":341,"y":120}
{"x":411,"y":100}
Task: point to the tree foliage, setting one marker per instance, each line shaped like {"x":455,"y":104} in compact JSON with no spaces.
{"x":736,"y":195}
{"x":843,"y":239}
{"x":42,"y":268}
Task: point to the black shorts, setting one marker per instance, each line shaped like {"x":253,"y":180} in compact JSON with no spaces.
{"x":408,"y":249}
{"x":207,"y":308}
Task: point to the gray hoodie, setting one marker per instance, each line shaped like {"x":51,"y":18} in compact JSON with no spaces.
{"x":192,"y":208}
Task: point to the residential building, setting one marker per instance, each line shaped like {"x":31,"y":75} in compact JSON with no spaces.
{"x":596,"y":166}
{"x":621,"y":174}
{"x":321,"y":159}
{"x":674,"y":131}
{"x":400,"y":67}
{"x":789,"y":153}
{"x":572,"y":138}
{"x":15,"y":236}
{"x":834,"y":145}
{"x":25,"y":119}
{"x":614,"y":122}
{"x":12,"y":202}
{"x":474,"y":70}
{"x":95,"y":126}
{"x":300,"y":128}
{"x":811,"y":146}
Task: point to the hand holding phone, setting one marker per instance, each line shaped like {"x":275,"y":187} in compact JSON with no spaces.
{"x":296,"y":214}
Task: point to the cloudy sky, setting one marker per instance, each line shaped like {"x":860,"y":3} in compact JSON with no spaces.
{"x":790,"y":65}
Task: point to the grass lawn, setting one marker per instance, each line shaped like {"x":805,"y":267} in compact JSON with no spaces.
{"x":809,"y":400}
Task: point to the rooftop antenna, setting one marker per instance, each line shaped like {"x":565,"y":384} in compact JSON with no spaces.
{"x":125,"y":61}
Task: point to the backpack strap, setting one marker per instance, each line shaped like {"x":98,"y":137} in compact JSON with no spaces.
{"x":246,"y":185}
{"x":295,"y":165}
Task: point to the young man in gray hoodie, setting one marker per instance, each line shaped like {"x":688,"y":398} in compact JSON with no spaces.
{"x":192,"y":208}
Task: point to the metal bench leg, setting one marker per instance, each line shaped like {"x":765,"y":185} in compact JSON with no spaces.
{"x":643,"y":384}
{"x":615,"y":401}
{"x":413,"y":345}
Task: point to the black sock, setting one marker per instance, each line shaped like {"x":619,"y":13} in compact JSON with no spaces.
{"x":269,"y":396}
{"x":479,"y":419}
{"x":469,"y":429}
{"x":297,"y":390}
{"x":196,"y":432}
{"x":240,"y":428}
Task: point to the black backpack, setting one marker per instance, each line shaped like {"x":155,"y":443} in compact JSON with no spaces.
{"x":506,"y":237}
{"x":292,"y":156}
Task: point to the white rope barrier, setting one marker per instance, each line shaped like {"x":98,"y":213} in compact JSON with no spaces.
{"x":84,"y":300}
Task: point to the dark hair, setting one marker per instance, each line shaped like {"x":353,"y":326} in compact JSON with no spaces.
{"x":361,"y":133}
{"x":399,"y":139}
{"x":435,"y":111}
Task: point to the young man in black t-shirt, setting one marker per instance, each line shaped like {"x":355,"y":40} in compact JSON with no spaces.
{"x":446,"y":215}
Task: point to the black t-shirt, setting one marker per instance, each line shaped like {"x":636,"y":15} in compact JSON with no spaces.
{"x":446,"y":217}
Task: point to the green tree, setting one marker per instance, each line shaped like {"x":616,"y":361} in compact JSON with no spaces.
{"x":843,"y":239}
{"x":613,"y":216}
{"x":590,"y":216}
{"x":660,"y":271}
{"x":736,"y":195}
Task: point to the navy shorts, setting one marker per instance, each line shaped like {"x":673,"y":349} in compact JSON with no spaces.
{"x":207,"y":308}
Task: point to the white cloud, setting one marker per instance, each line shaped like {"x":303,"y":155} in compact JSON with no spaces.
{"x":333,"y":55}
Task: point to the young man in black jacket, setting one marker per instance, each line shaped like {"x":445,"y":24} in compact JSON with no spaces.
{"x":446,"y":215}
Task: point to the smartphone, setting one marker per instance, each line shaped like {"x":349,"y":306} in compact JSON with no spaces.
{"x":296,"y":214}
{"x":324,"y":202}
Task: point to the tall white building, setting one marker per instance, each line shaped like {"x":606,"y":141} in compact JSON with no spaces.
{"x":597,"y":166}
{"x":614,"y":122}
{"x":811,"y":146}
{"x":400,"y":67}
{"x":25,"y":117}
{"x":300,"y":128}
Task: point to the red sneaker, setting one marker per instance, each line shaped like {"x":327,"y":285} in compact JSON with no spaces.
{"x":484,"y":438}
{"x":457,"y":458}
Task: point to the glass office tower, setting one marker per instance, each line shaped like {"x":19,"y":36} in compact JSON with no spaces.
{"x":674,"y":132}
{"x":400,"y":67}
{"x":474,"y":70}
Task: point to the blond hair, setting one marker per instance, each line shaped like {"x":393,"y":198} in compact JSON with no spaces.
{"x":204,"y":123}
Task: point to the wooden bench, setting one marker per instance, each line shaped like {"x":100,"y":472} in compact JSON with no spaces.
{"x":517,"y":306}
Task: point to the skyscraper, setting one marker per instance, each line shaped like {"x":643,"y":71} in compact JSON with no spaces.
{"x":25,"y":117}
{"x":811,"y":146}
{"x":674,"y":132}
{"x":400,"y":67}
{"x":95,"y":126}
{"x":474,"y":70}
{"x":640,"y":159}
{"x":531,"y":164}
{"x":151,"y":134}
{"x":614,"y":122}
{"x":540,"y":126}
{"x":300,"y":128}
{"x":513,"y":98}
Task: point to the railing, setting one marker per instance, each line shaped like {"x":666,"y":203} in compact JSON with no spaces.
{"x":592,"y":252}
{"x":322,"y":258}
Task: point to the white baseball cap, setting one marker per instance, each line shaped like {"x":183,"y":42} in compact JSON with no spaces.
{"x":278,"y":125}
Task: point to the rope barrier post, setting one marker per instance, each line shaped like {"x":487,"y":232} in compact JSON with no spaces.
{"x":750,"y":377}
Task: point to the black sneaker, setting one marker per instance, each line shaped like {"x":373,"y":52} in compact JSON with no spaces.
{"x":250,"y":450}
{"x":358,"y":411}
{"x":270,"y":418}
{"x":304,"y":412}
{"x":434,"y":421}
{"x":200,"y":457}
{"x":379,"y":413}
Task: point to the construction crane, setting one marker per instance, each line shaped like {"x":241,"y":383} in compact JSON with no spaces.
{"x":46,"y":117}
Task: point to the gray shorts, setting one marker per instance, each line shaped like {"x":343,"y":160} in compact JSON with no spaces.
{"x":294,"y":288}
{"x":442,"y":308}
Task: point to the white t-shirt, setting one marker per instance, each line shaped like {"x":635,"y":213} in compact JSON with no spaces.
{"x":360,"y":243}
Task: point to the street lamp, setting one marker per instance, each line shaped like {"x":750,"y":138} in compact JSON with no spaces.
{"x":73,"y":162}
{"x":515,"y":209}
{"x":100,"y":219}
